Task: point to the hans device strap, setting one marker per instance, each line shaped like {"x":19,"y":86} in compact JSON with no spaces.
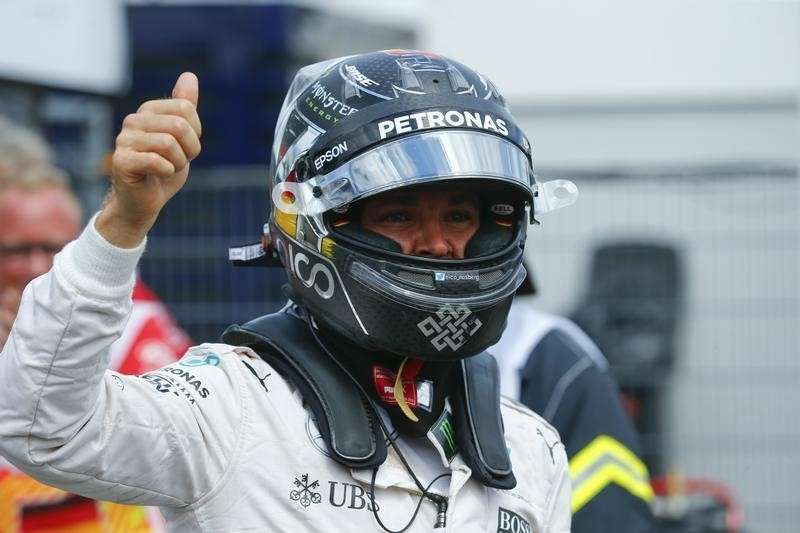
{"x":346,"y":419}
{"x":479,"y":424}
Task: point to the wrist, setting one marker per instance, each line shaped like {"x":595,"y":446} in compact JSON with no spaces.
{"x":96,"y":267}
{"x":120,"y":229}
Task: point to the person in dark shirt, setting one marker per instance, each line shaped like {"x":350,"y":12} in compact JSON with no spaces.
{"x":552,"y":367}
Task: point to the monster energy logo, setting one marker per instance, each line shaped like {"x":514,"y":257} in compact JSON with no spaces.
{"x":449,"y":435}
{"x":443,"y":436}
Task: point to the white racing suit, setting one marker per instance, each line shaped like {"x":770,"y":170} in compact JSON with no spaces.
{"x":217,"y":444}
{"x":150,"y":340}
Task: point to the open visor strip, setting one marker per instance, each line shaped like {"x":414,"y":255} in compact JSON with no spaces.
{"x":415,"y":159}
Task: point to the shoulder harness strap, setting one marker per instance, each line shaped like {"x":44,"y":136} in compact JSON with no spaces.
{"x":346,"y":418}
{"x":479,"y":423}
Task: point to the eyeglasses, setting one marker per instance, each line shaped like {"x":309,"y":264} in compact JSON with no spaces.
{"x":28,"y":249}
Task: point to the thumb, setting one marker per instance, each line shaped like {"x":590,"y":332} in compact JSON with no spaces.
{"x":187,"y":87}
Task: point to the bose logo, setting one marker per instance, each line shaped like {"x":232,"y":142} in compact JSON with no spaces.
{"x":436,"y":119}
{"x":511,"y":522}
{"x":359,"y":77}
{"x":330,"y":154}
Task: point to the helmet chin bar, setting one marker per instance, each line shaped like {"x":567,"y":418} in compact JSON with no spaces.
{"x":503,"y":281}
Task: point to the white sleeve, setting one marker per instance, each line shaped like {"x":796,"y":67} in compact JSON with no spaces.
{"x":560,"y":501}
{"x":70,"y":423}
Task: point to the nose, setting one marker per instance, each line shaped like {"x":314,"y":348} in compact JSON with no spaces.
{"x":431,"y":241}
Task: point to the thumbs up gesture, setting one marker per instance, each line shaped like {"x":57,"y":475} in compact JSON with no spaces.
{"x":151,"y":162}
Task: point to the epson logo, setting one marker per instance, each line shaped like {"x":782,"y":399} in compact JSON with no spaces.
{"x":330,"y":154}
{"x":436,"y":119}
{"x":511,"y":522}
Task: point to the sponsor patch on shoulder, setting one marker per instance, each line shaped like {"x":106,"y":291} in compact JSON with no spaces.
{"x":200,"y":358}
{"x":166,"y":384}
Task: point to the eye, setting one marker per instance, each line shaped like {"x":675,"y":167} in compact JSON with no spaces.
{"x":395,"y":217}
{"x":460,"y":216}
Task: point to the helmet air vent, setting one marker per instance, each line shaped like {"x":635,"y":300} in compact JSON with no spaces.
{"x":458,"y":81}
{"x":490,"y":278}
{"x":409,"y":80}
{"x":416,"y":278}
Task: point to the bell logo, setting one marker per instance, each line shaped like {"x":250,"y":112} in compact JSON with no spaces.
{"x":511,"y":522}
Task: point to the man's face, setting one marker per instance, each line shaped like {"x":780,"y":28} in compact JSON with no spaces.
{"x":432,"y":222}
{"x":34,"y":225}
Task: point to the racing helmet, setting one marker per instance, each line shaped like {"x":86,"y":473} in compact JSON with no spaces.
{"x":354,"y":127}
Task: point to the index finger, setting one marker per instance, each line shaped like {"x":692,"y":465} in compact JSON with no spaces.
{"x":177,"y":107}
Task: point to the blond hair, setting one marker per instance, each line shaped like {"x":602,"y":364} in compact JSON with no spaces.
{"x":25,"y":162}
{"x":36,"y":175}
{"x":20,"y":147}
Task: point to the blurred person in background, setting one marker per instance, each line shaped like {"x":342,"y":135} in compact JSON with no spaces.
{"x":19,"y":147}
{"x":549,"y":364}
{"x":369,"y":399}
{"x":39,"y":214}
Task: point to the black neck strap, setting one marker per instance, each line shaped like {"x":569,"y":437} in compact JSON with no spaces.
{"x":346,"y":418}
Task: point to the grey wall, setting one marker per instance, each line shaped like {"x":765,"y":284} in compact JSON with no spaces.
{"x":679,"y":123}
{"x":720,"y":186}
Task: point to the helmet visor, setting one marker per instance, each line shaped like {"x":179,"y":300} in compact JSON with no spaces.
{"x":413,"y":160}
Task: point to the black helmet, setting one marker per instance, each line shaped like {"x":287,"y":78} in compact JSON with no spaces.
{"x":357,"y":126}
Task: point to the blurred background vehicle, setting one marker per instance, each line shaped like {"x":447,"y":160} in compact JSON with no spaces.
{"x":678,"y":121}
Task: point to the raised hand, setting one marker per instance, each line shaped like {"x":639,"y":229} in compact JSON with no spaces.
{"x":151,"y":162}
